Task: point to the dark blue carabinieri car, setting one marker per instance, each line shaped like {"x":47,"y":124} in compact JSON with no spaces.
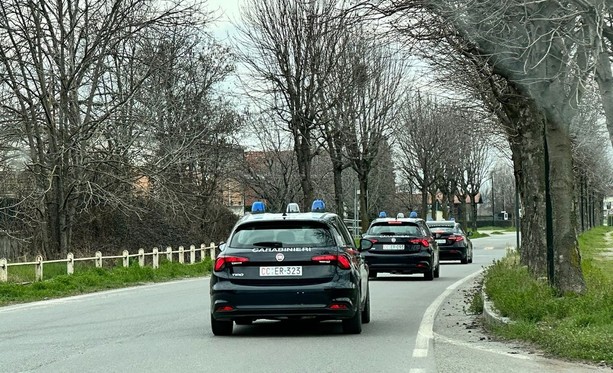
{"x":401,"y":246}
{"x":453,"y":242}
{"x":290,"y":265}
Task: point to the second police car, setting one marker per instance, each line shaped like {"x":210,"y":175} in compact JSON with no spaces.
{"x":403,"y":246}
{"x":290,"y":265}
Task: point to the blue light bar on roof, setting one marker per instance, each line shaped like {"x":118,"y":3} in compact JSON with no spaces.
{"x":413,"y":214}
{"x":382,"y":214}
{"x":318,"y":206}
{"x":258,"y":207}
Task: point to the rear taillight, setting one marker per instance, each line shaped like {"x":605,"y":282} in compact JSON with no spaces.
{"x":420,"y":241}
{"x":341,"y":260}
{"x":221,"y":261}
{"x":455,"y":238}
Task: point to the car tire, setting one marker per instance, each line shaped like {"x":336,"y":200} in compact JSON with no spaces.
{"x":372,"y":274}
{"x":366,"y":310}
{"x":220,"y":327}
{"x":471,"y":257}
{"x":465,"y":259}
{"x":354,"y":324}
{"x":437,"y":271}
{"x":429,"y":276}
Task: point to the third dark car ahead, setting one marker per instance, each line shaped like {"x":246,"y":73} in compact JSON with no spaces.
{"x":453,"y":242}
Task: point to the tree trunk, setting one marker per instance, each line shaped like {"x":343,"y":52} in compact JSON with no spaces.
{"x":364,"y":218}
{"x":567,"y":258}
{"x":337,"y":170}
{"x":473,"y":214}
{"x":302,"y":146}
{"x":525,"y":137}
{"x":424,"y":204}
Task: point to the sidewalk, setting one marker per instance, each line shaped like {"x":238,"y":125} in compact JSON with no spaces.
{"x":462,"y":345}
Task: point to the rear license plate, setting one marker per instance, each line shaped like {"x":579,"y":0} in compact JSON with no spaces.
{"x":281,"y":271}
{"x":441,"y":241}
{"x":393,"y":247}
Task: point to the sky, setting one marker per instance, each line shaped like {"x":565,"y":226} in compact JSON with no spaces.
{"x":228,"y":13}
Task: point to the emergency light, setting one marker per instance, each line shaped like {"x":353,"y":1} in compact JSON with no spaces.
{"x":318,"y":206}
{"x":258,"y":207}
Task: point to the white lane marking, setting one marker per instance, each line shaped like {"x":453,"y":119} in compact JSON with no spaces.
{"x":488,"y":248}
{"x":417,"y":370}
{"x":455,"y":342}
{"x":425,"y":334}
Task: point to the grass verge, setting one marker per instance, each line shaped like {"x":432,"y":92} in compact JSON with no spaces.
{"x":571,"y":326}
{"x":91,"y":279}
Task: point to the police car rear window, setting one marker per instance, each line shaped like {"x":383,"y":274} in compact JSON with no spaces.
{"x":444,"y":228}
{"x":295,"y":234}
{"x":395,"y":229}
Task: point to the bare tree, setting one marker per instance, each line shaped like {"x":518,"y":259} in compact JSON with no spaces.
{"x":271,"y":173}
{"x":541,"y":51}
{"x":289,"y":49}
{"x":372,"y":108}
{"x":60,"y":92}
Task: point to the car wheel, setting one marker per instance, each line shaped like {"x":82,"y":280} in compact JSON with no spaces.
{"x":465,"y":259}
{"x":372,"y":274}
{"x":437,"y":271}
{"x":471,"y":257}
{"x":354,"y":324}
{"x":244,"y":321}
{"x":429,"y":276}
{"x":220,"y":327}
{"x":366,"y":310}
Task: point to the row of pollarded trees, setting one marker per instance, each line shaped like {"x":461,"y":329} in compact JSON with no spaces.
{"x":444,"y":150}
{"x":324,"y":73}
{"x":533,"y":65}
{"x":112,"y":112}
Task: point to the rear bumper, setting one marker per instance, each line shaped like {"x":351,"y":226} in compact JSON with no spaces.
{"x":452,"y":253}
{"x":402,"y":263}
{"x":327,"y":301}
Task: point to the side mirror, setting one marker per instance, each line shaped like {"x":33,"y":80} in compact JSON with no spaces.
{"x":222,"y":246}
{"x":470,"y":233}
{"x":365,"y":244}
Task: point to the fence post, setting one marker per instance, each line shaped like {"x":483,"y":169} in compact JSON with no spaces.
{"x":141,"y":257}
{"x":192,"y":254}
{"x":39,"y":268}
{"x":169,"y":254}
{"x":156,"y":258}
{"x":202,"y":252}
{"x":70,"y":263}
{"x":181,"y":254}
{"x":126,"y":258}
{"x":212,"y":252}
{"x":4,"y":270}
{"x":98,"y":259}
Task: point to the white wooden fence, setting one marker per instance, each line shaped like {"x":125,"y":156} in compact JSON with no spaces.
{"x":38,"y":264}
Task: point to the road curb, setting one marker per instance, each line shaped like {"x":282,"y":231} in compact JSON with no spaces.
{"x":491,"y":316}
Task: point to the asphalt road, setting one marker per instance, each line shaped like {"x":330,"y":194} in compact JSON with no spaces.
{"x":165,"y":328}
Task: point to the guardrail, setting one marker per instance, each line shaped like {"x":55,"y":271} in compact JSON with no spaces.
{"x":98,"y":258}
